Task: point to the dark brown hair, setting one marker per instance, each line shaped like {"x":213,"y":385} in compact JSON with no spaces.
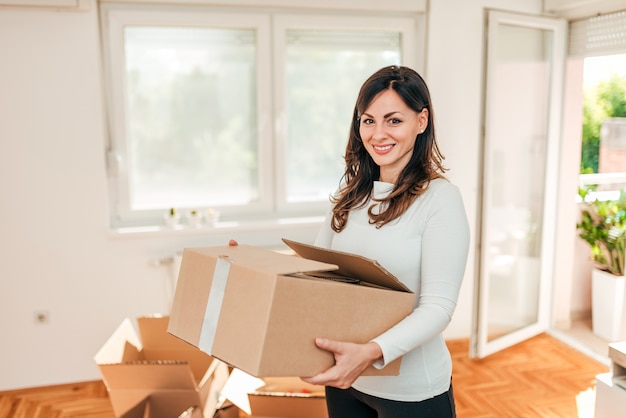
{"x":361,"y":171}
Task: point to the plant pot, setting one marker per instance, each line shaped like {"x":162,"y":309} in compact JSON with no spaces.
{"x":608,"y":315}
{"x":171,"y":221}
{"x":194,"y":219}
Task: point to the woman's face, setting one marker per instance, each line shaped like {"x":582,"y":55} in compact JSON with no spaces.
{"x":389,"y":129}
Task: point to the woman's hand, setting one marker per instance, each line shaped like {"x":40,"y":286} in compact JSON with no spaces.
{"x":350,"y":361}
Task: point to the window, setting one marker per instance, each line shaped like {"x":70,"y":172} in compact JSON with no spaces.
{"x":246,"y":113}
{"x":601,"y":41}
{"x":603,"y":162}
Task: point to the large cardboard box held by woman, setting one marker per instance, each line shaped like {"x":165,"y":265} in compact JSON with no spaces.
{"x":260,"y":311}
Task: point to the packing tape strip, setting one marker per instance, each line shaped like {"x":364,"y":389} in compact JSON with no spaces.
{"x":214,"y":304}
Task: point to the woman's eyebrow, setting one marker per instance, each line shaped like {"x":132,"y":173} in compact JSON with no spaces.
{"x":384,"y":116}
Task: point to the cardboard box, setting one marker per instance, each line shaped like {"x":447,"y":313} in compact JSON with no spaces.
{"x":260,"y":310}
{"x":288,"y":397}
{"x":155,"y":375}
{"x":277,"y":397}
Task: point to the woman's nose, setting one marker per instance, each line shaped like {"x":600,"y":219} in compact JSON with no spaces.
{"x":379,"y":132}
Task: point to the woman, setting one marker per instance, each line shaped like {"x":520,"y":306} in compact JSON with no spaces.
{"x":396,"y":207}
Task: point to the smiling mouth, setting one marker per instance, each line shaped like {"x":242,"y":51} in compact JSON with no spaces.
{"x":383,"y":148}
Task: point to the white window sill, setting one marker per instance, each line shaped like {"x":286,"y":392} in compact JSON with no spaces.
{"x":219,"y":229}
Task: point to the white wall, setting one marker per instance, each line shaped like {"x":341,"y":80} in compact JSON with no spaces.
{"x":454,"y":75}
{"x":572,"y":263}
{"x":57,"y":253}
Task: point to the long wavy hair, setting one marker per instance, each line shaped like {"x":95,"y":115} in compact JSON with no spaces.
{"x":361,"y":171}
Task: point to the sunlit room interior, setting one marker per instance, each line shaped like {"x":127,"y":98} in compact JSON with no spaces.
{"x":133,"y":129}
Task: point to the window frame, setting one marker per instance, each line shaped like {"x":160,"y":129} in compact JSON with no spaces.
{"x":271,"y":26}
{"x":282,"y":23}
{"x":585,"y":42}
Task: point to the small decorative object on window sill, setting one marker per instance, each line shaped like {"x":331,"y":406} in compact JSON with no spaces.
{"x":212,"y":216}
{"x":172,"y":217}
{"x":194,"y":218}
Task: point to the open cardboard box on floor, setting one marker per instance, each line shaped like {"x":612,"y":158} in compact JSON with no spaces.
{"x":156,"y":375}
{"x":275,"y":397}
{"x":260,"y":310}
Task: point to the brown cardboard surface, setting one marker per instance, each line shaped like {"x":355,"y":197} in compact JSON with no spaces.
{"x":271,"y":310}
{"x":153,"y":403}
{"x":157,"y":376}
{"x":227,"y":411}
{"x":148,"y":375}
{"x":288,"y":398}
{"x":288,"y":406}
{"x":140,"y":410}
{"x":275,"y":397}
{"x":193,"y":412}
{"x":289,"y":385}
{"x":159,"y":345}
{"x":349,"y":265}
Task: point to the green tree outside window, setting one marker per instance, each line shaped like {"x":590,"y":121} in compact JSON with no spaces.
{"x":607,"y":99}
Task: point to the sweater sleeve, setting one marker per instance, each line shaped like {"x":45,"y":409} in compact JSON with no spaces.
{"x":325,"y":234}
{"x":445,"y":245}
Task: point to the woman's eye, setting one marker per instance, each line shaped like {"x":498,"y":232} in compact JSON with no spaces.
{"x":394,"y":121}
{"x":367,"y":121}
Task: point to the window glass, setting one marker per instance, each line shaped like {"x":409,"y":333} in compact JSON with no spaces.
{"x":603,"y":159}
{"x":234,"y":111}
{"x":191,"y":117}
{"x":324,"y":71}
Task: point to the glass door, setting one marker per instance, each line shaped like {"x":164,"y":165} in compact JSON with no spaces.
{"x":523,"y":90}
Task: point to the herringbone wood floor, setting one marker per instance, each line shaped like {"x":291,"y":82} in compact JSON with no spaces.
{"x":537,"y":378}
{"x":540,"y":377}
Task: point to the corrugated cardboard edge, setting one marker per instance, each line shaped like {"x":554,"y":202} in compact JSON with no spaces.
{"x":112,"y":351}
{"x":350,"y":265}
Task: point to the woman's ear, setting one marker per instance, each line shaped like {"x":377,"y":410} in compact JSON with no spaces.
{"x":423,"y":119}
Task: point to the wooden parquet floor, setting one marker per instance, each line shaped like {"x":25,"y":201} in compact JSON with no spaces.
{"x":540,"y":378}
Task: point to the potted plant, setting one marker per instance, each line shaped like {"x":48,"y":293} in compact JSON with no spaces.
{"x":603,"y":226}
{"x":194,"y":218}
{"x":171,"y":218}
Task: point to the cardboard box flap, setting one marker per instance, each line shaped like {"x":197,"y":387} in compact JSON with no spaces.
{"x":271,"y":262}
{"x":274,"y":397}
{"x":158,"y":344}
{"x":349,"y":265}
{"x":287,"y":407}
{"x":151,"y":375}
{"x":153,"y":333}
{"x":288,"y":397}
{"x":289,"y":386}
{"x":237,"y":387}
{"x":123,"y":345}
{"x":153,"y":404}
{"x":198,"y":362}
{"x":192,"y":412}
{"x":140,"y":410}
